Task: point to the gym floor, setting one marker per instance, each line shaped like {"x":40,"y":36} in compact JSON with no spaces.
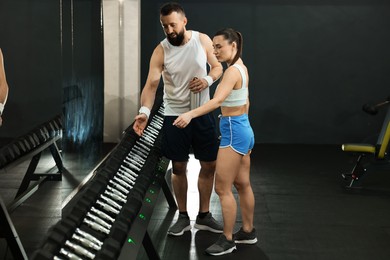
{"x":301,"y":212}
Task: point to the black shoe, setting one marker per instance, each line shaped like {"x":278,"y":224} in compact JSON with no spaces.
{"x":242,"y":237}
{"x":208,"y":223}
{"x":182,"y":225}
{"x":221,"y":247}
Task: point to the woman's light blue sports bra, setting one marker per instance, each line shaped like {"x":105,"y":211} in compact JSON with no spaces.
{"x":237,"y":97}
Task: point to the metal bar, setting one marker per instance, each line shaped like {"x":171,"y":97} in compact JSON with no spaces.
{"x":7,"y":228}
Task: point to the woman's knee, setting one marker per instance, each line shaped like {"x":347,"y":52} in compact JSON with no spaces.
{"x":222,"y":189}
{"x":220,"y":192}
{"x":242,"y":186}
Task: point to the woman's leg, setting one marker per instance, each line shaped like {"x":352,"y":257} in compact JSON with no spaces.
{"x":228,"y":165}
{"x":245,"y":192}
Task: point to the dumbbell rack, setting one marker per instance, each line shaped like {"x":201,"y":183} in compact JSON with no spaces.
{"x":110,"y":214}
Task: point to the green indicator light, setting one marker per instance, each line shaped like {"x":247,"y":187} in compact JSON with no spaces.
{"x":151,"y":191}
{"x":130,"y":240}
{"x":148,"y":200}
{"x":142,"y":216}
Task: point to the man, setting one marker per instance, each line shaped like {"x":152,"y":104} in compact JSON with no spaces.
{"x":3,"y":87}
{"x":181,"y":59}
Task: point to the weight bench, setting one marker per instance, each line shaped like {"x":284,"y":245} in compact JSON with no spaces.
{"x":378,"y":152}
{"x":30,"y":147}
{"x":8,"y":231}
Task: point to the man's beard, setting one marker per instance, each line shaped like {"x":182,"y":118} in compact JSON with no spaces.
{"x":178,"y":40}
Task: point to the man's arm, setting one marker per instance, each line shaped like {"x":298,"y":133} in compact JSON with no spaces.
{"x":148,"y":94}
{"x":215,"y":67}
{"x":197,"y":85}
{"x":155,"y":70}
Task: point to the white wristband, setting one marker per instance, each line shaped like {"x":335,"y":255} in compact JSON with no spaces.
{"x":1,"y":108}
{"x":144,"y":110}
{"x":209,"y":80}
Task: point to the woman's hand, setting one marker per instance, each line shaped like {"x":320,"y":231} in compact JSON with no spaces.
{"x":183,"y":120}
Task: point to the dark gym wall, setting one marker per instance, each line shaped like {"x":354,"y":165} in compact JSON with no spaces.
{"x":30,"y":41}
{"x":312,"y":64}
{"x":53,"y":52}
{"x":83,"y":71}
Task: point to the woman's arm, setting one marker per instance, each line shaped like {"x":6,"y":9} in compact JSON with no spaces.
{"x":229,"y":80}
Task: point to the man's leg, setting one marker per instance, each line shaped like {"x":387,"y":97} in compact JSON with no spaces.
{"x":180,"y":185}
{"x":205,"y":184}
{"x":205,"y":220}
{"x":205,"y":147}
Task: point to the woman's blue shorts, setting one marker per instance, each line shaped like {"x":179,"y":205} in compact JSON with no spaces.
{"x":237,"y":133}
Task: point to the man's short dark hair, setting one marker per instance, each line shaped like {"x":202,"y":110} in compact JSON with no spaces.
{"x":168,"y":8}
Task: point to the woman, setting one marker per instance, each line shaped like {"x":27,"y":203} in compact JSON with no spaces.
{"x":233,"y":160}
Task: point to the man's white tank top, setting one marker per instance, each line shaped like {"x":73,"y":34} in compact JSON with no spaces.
{"x":181,"y":64}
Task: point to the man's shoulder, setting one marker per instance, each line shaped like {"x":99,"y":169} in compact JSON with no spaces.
{"x":158,"y":52}
{"x":201,"y":34}
{"x":204,"y":38}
